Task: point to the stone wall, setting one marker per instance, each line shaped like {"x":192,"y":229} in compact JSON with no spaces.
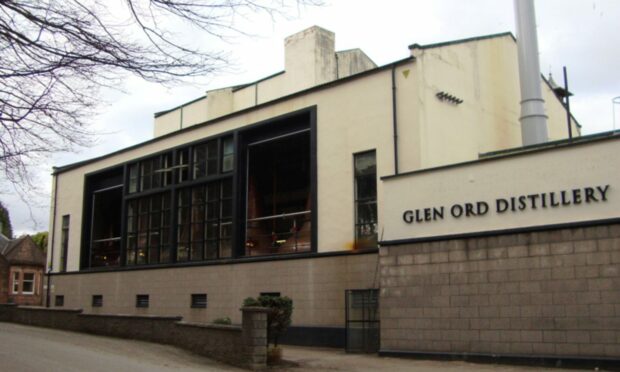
{"x":553,"y":293}
{"x":4,"y":280}
{"x":244,"y":346}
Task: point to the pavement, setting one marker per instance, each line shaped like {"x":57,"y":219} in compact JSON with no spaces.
{"x":305,"y":359}
{"x":26,"y":349}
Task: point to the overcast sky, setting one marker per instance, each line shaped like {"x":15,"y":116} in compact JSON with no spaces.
{"x":581,"y":34}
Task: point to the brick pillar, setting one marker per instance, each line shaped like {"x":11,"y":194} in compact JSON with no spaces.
{"x":254,"y":325}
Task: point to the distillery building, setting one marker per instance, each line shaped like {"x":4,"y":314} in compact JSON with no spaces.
{"x":289,"y":184}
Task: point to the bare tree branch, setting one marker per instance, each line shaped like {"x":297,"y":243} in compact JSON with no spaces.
{"x":55,"y":56}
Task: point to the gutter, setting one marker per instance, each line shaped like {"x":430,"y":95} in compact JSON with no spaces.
{"x":394,"y":119}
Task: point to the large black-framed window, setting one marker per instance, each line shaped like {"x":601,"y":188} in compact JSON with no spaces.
{"x":279,"y":195}
{"x":189,"y":203}
{"x":204,"y":230}
{"x":102,"y":219}
{"x":148,"y":230}
{"x":365,"y":174}
{"x":179,"y":205}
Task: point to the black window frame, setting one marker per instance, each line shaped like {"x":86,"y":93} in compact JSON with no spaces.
{"x":142,"y":301}
{"x":97,"y":301}
{"x":199,"y":301}
{"x":59,"y":300}
{"x":366,"y":201}
{"x":64,"y":242}
{"x":140,"y":230}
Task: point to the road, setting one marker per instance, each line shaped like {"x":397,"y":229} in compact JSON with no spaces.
{"x":25,"y":349}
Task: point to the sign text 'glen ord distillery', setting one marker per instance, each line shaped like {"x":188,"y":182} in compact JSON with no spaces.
{"x":511,"y":204}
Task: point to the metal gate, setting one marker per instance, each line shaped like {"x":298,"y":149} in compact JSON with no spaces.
{"x":362,"y":320}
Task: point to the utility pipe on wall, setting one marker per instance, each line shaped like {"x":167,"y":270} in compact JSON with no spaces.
{"x":533,"y":118}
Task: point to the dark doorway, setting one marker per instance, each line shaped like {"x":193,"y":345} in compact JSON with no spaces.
{"x":362,"y":320}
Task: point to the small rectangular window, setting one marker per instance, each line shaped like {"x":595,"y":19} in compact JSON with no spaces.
{"x":97,"y":301}
{"x":133,"y":177}
{"x":16,"y":282}
{"x":64,"y":242}
{"x":142,"y":300}
{"x":59,"y":301}
{"x":182,"y":165}
{"x":199,"y":300}
{"x":28,"y":283}
{"x":228,"y":154}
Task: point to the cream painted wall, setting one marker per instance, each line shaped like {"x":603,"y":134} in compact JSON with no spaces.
{"x":344,"y":126}
{"x":484,"y":74}
{"x":355,"y":116}
{"x":167,"y":123}
{"x":556,"y":169}
{"x":195,"y":112}
{"x":244,"y":98}
{"x":310,"y":60}
{"x":68,"y":202}
{"x":557,"y":116}
{"x":478,"y":73}
{"x":351,"y":62}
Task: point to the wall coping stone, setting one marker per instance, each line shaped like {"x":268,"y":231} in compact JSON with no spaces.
{"x":43,"y":308}
{"x":133,"y":316}
{"x":255,"y":309}
{"x":224,"y":327}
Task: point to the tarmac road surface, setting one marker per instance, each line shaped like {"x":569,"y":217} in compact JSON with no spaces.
{"x":25,"y":349}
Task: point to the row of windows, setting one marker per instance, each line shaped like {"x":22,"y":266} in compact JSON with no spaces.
{"x":192,"y":163}
{"x":197,"y":300}
{"x":204,"y":223}
{"x":137,"y":215}
{"x":203,"y":229}
{"x":199,"y":227}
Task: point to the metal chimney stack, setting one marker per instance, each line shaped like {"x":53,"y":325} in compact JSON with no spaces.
{"x":533,"y":119}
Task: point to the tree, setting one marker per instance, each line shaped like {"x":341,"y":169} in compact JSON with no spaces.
{"x":5,"y":222}
{"x":40,"y":239}
{"x":55,"y":55}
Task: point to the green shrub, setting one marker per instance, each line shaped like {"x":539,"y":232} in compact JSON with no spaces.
{"x":225,"y":320}
{"x":279,"y":316}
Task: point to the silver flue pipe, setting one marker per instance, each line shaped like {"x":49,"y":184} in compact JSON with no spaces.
{"x":533,"y":118}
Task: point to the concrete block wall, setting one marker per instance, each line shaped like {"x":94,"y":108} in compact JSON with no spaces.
{"x":548,"y":293}
{"x":244,"y":346}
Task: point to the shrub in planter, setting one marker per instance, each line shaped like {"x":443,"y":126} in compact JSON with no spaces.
{"x":225,"y":320}
{"x":279,"y":316}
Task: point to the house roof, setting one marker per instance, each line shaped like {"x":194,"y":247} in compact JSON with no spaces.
{"x":4,"y":241}
{"x":23,"y":251}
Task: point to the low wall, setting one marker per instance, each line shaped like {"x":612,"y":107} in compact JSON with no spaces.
{"x":552,"y":293}
{"x":244,"y":346}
